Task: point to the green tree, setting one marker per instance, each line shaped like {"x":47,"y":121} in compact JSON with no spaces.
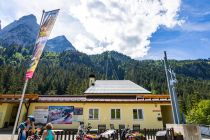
{"x":200,"y":114}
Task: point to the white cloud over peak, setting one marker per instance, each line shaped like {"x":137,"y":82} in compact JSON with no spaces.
{"x":94,"y":26}
{"x":125,"y":26}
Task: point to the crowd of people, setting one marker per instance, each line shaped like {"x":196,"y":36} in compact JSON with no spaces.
{"x":27,"y":131}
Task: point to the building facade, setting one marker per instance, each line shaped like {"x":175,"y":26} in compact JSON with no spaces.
{"x":105,"y":102}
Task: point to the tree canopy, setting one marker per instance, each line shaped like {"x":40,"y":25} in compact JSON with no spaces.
{"x":200,"y":113}
{"x":67,"y":73}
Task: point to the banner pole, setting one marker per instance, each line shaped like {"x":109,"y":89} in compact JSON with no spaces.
{"x":19,"y":109}
{"x":23,"y":92}
{"x":47,"y":22}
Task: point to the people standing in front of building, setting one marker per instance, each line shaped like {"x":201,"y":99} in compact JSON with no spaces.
{"x":48,"y":134}
{"x":81,"y":131}
{"x":26,"y":127}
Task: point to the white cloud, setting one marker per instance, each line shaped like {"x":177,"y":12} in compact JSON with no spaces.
{"x":94,"y":26}
{"x":196,"y":27}
{"x":125,"y":26}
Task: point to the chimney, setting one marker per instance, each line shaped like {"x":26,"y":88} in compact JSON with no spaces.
{"x":92,"y":80}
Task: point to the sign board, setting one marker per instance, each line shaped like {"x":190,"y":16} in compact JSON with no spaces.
{"x":60,"y":114}
{"x":78,"y":114}
{"x":41,"y":114}
{"x":78,"y":111}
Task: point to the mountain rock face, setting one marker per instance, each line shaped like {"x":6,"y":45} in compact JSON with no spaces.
{"x":21,"y":32}
{"x":59,"y":44}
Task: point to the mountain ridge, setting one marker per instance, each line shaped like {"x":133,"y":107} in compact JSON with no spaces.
{"x":23,"y":32}
{"x":53,"y":45}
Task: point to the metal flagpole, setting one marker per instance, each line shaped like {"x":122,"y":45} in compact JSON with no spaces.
{"x":49,"y":21}
{"x":173,"y":81}
{"x":23,"y":94}
{"x":19,"y":109}
{"x":169,"y":89}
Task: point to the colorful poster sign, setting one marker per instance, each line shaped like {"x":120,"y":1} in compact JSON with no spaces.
{"x":78,"y":114}
{"x":46,"y":25}
{"x":61,"y":114}
{"x":78,"y":111}
{"x":78,"y":118}
{"x":41,"y":114}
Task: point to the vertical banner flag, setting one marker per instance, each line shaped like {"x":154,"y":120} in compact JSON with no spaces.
{"x":46,"y":25}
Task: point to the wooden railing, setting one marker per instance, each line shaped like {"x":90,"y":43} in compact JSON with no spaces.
{"x":66,"y":134}
{"x":149,"y":134}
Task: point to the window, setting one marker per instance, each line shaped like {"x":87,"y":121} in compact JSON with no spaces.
{"x":137,"y":114}
{"x":115,"y":113}
{"x":93,"y":114}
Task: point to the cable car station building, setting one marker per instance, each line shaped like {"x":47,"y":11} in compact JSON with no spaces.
{"x":105,"y":102}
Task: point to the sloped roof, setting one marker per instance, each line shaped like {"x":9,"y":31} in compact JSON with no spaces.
{"x":115,"y":87}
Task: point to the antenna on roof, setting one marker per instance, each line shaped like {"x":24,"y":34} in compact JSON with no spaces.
{"x":107,"y":65}
{"x":114,"y":72}
{"x":112,"y":66}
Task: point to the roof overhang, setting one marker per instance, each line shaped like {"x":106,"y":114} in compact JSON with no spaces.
{"x":143,"y":98}
{"x":15,"y":98}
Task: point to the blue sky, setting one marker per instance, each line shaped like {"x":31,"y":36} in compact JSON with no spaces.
{"x":142,"y":29}
{"x":191,"y":40}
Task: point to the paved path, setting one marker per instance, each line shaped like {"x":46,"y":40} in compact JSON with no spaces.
{"x":8,"y":137}
{"x":205,"y":138}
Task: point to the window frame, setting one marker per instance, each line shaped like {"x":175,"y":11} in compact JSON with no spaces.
{"x":138,"y":113}
{"x":93,"y":114}
{"x":115,"y":110}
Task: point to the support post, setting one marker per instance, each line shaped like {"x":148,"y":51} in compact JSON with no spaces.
{"x":27,"y":105}
{"x":19,"y":109}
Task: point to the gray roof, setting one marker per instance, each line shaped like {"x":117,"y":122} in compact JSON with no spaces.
{"x":115,"y":87}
